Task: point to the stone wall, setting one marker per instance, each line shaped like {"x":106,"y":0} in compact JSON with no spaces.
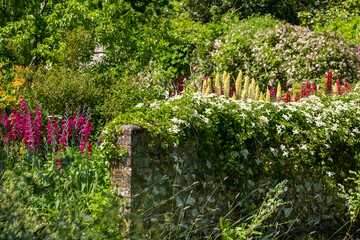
{"x":189,"y":186}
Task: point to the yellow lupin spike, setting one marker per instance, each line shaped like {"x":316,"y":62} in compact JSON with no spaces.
{"x":204,"y":86}
{"x":261,"y":97}
{"x":227,"y":86}
{"x":257,"y":91}
{"x":243,"y":95}
{"x":252,"y":92}
{"x":336,"y":90}
{"x":217,"y":85}
{"x":224,"y":77}
{"x":278,"y":93}
{"x":267,"y":95}
{"x":209,"y":87}
{"x":249,"y":92}
{"x":246,"y":86}
{"x":238,"y":84}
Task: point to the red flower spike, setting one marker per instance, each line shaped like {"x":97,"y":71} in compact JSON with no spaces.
{"x":314,"y":87}
{"x":232,"y":90}
{"x":338,"y":83}
{"x":302,"y":95}
{"x":306,"y":93}
{"x":296,"y":98}
{"x":329,"y":82}
{"x":288,"y":97}
{"x":308,"y":85}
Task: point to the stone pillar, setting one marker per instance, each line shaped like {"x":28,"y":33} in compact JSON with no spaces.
{"x":122,"y":170}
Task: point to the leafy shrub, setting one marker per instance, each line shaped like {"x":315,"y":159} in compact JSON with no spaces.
{"x":308,"y":131}
{"x":336,"y":11}
{"x":129,"y":91}
{"x":257,"y":139}
{"x":54,"y":89}
{"x":341,"y":17}
{"x":349,"y":29}
{"x":286,"y":53}
{"x":42,"y":202}
{"x":285,"y":10}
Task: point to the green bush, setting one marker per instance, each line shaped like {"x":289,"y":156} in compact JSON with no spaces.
{"x":349,"y":29}
{"x":284,"y":10}
{"x":336,"y":11}
{"x":39,"y":201}
{"x":255,"y":139}
{"x":307,"y":132}
{"x":56,"y":88}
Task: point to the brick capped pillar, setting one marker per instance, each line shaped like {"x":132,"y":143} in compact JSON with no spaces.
{"x":122,"y":170}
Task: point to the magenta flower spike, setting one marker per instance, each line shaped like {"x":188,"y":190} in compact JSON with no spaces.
{"x":302,"y":95}
{"x":288,"y":97}
{"x":338,"y":83}
{"x":314,"y":87}
{"x":232,"y":90}
{"x":329,"y":82}
{"x":296,"y":98}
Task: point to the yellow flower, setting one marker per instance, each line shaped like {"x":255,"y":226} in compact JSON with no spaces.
{"x":336,"y":90}
{"x":227,"y":86}
{"x":246,"y":85}
{"x":18,"y":82}
{"x":267,"y":99}
{"x":261,"y":97}
{"x":204,"y":86}
{"x":257,"y":91}
{"x":217,"y":85}
{"x":238,"y":84}
{"x":10,"y":99}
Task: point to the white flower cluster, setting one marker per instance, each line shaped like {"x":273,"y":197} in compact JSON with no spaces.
{"x":290,"y":128}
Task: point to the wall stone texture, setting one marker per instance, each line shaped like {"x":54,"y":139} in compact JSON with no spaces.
{"x":191,"y":187}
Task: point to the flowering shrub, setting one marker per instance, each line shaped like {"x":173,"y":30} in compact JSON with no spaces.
{"x":286,"y":53}
{"x":311,"y":131}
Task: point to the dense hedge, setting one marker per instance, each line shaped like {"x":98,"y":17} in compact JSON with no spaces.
{"x":321,"y":132}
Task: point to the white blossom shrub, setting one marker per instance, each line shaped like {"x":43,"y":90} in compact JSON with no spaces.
{"x":319,"y":131}
{"x":285,"y":53}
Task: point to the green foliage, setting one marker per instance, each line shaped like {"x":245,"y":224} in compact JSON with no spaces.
{"x":247,"y":135}
{"x":54,"y":89}
{"x":341,"y":17}
{"x":336,"y":11}
{"x":352,"y":197}
{"x":39,"y":201}
{"x":348,"y":29}
{"x":253,"y":227}
{"x":284,"y":10}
